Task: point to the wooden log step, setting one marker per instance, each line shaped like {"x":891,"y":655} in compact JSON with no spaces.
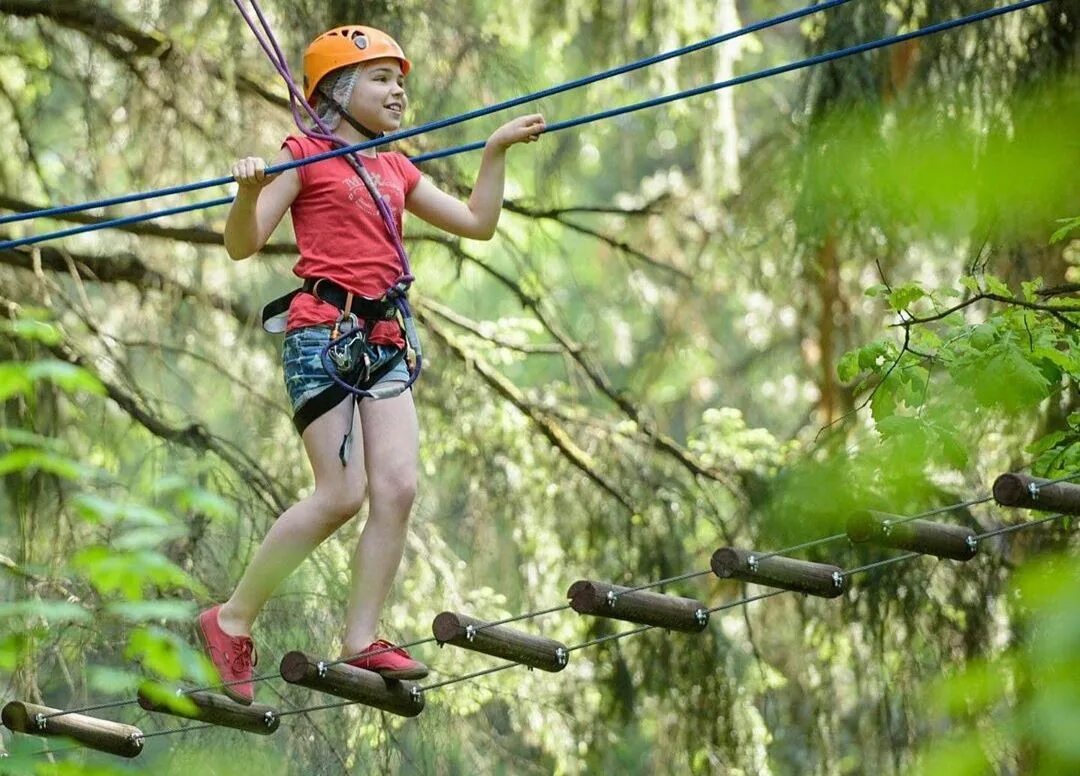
{"x":219,"y":710}
{"x":943,"y":541}
{"x":354,"y":684}
{"x":602,"y":599}
{"x":101,"y":734}
{"x":1027,"y":492}
{"x":500,"y":641}
{"x":802,"y":576}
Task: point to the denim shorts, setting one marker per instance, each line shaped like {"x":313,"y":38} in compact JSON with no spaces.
{"x":307,"y":382}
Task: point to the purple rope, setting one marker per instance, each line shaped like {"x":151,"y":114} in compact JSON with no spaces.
{"x":274,"y":53}
{"x":276,"y":56}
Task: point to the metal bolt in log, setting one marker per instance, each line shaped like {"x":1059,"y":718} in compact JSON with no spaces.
{"x":802,"y":576}
{"x":220,"y":710}
{"x":602,"y":599}
{"x":101,"y":734}
{"x":1027,"y":492}
{"x":500,"y":641}
{"x":943,"y":541}
{"x":354,"y":684}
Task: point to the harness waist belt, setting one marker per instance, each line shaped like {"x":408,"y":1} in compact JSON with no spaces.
{"x":275,"y":313}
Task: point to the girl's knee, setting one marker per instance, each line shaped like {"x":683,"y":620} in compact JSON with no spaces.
{"x":394,"y":492}
{"x":342,"y":504}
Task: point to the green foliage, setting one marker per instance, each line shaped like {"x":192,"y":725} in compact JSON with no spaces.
{"x":1029,"y":692}
{"x":667,"y":296}
{"x":951,"y":382}
{"x":120,"y":571}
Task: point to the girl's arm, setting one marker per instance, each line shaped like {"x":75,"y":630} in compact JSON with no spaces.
{"x":260,"y":204}
{"x":478,"y":218}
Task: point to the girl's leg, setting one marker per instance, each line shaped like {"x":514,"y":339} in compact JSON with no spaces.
{"x":338,"y":496}
{"x":391,"y":449}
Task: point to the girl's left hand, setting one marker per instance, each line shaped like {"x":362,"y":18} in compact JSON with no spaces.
{"x":524,"y":129}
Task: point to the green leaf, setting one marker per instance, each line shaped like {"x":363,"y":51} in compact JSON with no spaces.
{"x":1003,"y":378}
{"x":12,"y":647}
{"x":848,"y":367}
{"x":50,"y":611}
{"x":971,"y":284}
{"x":33,"y":461}
{"x":1044,"y":443}
{"x":95,"y":509}
{"x":167,"y":655}
{"x":113,"y":681}
{"x":164,"y":695}
{"x":67,"y":377}
{"x":128,"y":573}
{"x":902,"y":297}
{"x":995,"y":286}
{"x":22,"y":438}
{"x":982,"y":336}
{"x":875,"y":291}
{"x":883,"y":404}
{"x":1062,"y":359}
{"x":1070,"y":224}
{"x":32,"y":330}
{"x":1030,"y":287}
{"x":148,"y":537}
{"x":14,"y":380}
{"x":144,"y":611}
{"x":204,"y":502}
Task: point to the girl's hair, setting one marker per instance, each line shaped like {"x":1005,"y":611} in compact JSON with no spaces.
{"x":339,"y":84}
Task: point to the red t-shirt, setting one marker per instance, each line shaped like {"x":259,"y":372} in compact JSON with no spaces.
{"x":340,"y":233}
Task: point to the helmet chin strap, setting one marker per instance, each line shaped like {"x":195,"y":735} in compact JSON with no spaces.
{"x":352,"y":122}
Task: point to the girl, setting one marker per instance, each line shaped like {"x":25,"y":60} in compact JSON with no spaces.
{"x":348,"y":261}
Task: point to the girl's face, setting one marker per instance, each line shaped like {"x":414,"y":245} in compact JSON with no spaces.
{"x":378,"y":100}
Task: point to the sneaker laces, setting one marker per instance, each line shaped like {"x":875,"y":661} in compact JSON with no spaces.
{"x":246,"y":656}
{"x":382,"y":645}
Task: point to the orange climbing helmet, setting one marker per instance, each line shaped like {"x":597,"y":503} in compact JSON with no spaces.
{"x":344,"y":46}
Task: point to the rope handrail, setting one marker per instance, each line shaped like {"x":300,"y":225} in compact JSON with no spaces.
{"x":558,"y":126}
{"x":448,"y":121}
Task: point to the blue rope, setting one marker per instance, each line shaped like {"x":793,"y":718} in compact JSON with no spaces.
{"x":434,"y":125}
{"x":755,"y":76}
{"x":766,"y":73}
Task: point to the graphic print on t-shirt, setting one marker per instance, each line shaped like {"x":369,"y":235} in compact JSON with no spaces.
{"x":391,"y":191}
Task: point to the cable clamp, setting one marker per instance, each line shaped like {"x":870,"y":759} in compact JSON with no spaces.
{"x":972,"y":542}
{"x":752,"y":563}
{"x":1033,"y":490}
{"x":561,"y":656}
{"x":137,"y":739}
{"x":886,"y":527}
{"x":417,"y":694}
{"x":40,"y":721}
{"x":321,"y":669}
{"x":837,"y":580}
{"x":470,"y":632}
{"x":702,"y":617}
{"x":611,"y":598}
{"x":269,"y":718}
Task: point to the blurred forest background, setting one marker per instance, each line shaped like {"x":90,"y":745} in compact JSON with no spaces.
{"x":732,"y":320}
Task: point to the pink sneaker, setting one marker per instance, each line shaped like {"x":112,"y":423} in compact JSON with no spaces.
{"x":232,"y":656}
{"x":389,"y":661}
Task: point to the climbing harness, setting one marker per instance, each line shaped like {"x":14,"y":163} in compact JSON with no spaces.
{"x":348,"y":345}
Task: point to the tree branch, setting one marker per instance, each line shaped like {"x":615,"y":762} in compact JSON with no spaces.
{"x":591,"y":368}
{"x":554,"y":433}
{"x":1057,"y":312}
